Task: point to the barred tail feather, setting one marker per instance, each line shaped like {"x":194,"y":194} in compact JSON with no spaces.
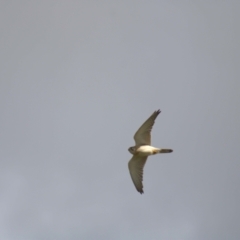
{"x":165,"y":150}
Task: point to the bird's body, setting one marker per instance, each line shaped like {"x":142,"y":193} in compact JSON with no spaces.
{"x":145,"y":150}
{"x":142,"y":150}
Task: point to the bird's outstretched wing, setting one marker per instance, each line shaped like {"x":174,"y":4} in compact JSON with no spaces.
{"x":143,"y":134}
{"x":135,"y":166}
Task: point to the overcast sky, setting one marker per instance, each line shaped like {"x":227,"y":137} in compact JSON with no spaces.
{"x":78,"y":78}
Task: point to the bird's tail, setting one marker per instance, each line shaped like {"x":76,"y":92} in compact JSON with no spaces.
{"x":165,"y":150}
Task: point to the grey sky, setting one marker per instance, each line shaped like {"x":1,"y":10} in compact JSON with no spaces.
{"x":78,"y":78}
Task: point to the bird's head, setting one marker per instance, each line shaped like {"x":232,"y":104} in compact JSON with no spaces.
{"x":131,"y":150}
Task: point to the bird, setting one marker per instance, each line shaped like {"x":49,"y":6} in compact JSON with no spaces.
{"x":142,"y":150}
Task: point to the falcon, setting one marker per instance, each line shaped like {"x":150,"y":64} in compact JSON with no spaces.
{"x":142,"y":150}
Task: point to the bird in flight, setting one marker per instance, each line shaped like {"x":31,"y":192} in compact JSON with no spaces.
{"x":142,"y":150}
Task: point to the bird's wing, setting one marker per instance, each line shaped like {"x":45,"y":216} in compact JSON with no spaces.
{"x":143,"y":134}
{"x":135,"y":166}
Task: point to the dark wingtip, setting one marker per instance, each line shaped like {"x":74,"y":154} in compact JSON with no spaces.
{"x":140,"y":191}
{"x":158,"y":111}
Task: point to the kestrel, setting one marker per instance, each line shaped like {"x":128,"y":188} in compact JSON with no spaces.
{"x":142,"y":150}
